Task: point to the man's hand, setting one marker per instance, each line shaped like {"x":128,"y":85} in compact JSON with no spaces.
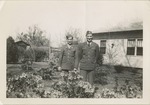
{"x":59,"y":68}
{"x":75,"y":69}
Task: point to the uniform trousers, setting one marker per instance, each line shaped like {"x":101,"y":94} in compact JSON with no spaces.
{"x":88,"y":75}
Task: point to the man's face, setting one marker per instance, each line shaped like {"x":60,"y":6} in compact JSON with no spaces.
{"x":70,"y":40}
{"x":89,"y":37}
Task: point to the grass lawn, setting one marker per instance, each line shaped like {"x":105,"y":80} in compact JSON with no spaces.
{"x":134,"y":79}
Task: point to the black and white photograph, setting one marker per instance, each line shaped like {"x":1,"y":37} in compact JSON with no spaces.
{"x":89,"y":50}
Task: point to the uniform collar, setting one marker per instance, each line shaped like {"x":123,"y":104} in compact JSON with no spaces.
{"x":89,"y":43}
{"x":69,"y":46}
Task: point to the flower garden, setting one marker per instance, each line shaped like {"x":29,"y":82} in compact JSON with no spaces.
{"x":47,"y":82}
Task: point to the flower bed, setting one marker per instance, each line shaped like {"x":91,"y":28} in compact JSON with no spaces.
{"x":30,"y":85}
{"x":23,"y":86}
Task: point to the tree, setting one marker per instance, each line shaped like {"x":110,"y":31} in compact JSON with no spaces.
{"x":34,"y":36}
{"x":12,"y":56}
{"x":132,"y":25}
{"x":76,"y":33}
{"x":138,"y":24}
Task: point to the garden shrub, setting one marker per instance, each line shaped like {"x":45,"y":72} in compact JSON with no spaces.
{"x":40,"y":54}
{"x":127,"y":90}
{"x":139,"y":80}
{"x":45,"y":73}
{"x":21,"y":86}
{"x":101,"y":59}
{"x":119,"y":68}
{"x":12,"y":56}
{"x":29,"y":85}
{"x":101,"y":73}
{"x":124,"y":91}
{"x":20,"y":52}
{"x":73,"y":86}
{"x":53,"y":61}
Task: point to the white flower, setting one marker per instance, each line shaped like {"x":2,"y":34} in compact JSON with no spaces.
{"x":97,"y":95}
{"x":89,"y":90}
{"x":23,"y":75}
{"x":81,"y":83}
{"x":62,"y":74}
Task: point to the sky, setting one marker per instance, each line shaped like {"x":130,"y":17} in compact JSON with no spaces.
{"x":55,"y":17}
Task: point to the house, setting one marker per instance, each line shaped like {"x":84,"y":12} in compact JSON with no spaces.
{"x":22,"y":44}
{"x":122,"y":47}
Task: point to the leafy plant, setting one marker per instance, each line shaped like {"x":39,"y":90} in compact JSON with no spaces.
{"x":118,"y":68}
{"x":40,"y":54}
{"x":101,"y":74}
{"x":53,"y":61}
{"x":101,"y":59}
{"x":21,"y":86}
{"x":45,"y":73}
{"x":73,"y":86}
{"x":12,"y":56}
{"x":127,"y":90}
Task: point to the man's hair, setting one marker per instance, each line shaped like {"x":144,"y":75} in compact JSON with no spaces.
{"x":88,"y":32}
{"x":68,"y":36}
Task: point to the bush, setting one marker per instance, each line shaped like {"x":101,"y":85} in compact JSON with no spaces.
{"x":124,"y":91}
{"x":12,"y":56}
{"x":20,"y":52}
{"x":127,"y":90}
{"x":101,"y":74}
{"x":119,"y":68}
{"x":40,"y":54}
{"x":138,"y":79}
{"x":101,"y":59}
{"x":23,"y":86}
{"x":73,"y":86}
{"x":53,"y":61}
{"x":45,"y":73}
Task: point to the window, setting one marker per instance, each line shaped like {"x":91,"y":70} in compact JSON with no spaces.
{"x":139,"y":47}
{"x":131,"y":47}
{"x":103,"y":46}
{"x":135,"y":47}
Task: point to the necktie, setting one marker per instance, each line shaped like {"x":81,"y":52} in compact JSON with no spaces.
{"x":89,"y":44}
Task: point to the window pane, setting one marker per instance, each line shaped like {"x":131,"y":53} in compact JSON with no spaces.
{"x":140,"y":43}
{"x":131,"y":42}
{"x":102,"y":50}
{"x":130,"y":50}
{"x":139,"y":50}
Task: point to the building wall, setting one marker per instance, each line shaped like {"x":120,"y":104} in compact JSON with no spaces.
{"x":116,"y":50}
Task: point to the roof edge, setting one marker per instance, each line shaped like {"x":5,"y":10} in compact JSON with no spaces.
{"x":119,"y":31}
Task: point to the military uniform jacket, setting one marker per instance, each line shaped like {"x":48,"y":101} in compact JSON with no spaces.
{"x":88,"y":55}
{"x":68,"y":57}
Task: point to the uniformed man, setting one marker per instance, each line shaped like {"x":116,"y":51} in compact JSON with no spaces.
{"x":68,"y":56}
{"x":88,"y":57}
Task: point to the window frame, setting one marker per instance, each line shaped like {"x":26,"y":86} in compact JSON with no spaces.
{"x":139,"y":47}
{"x":104,"y":47}
{"x":135,"y":47}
